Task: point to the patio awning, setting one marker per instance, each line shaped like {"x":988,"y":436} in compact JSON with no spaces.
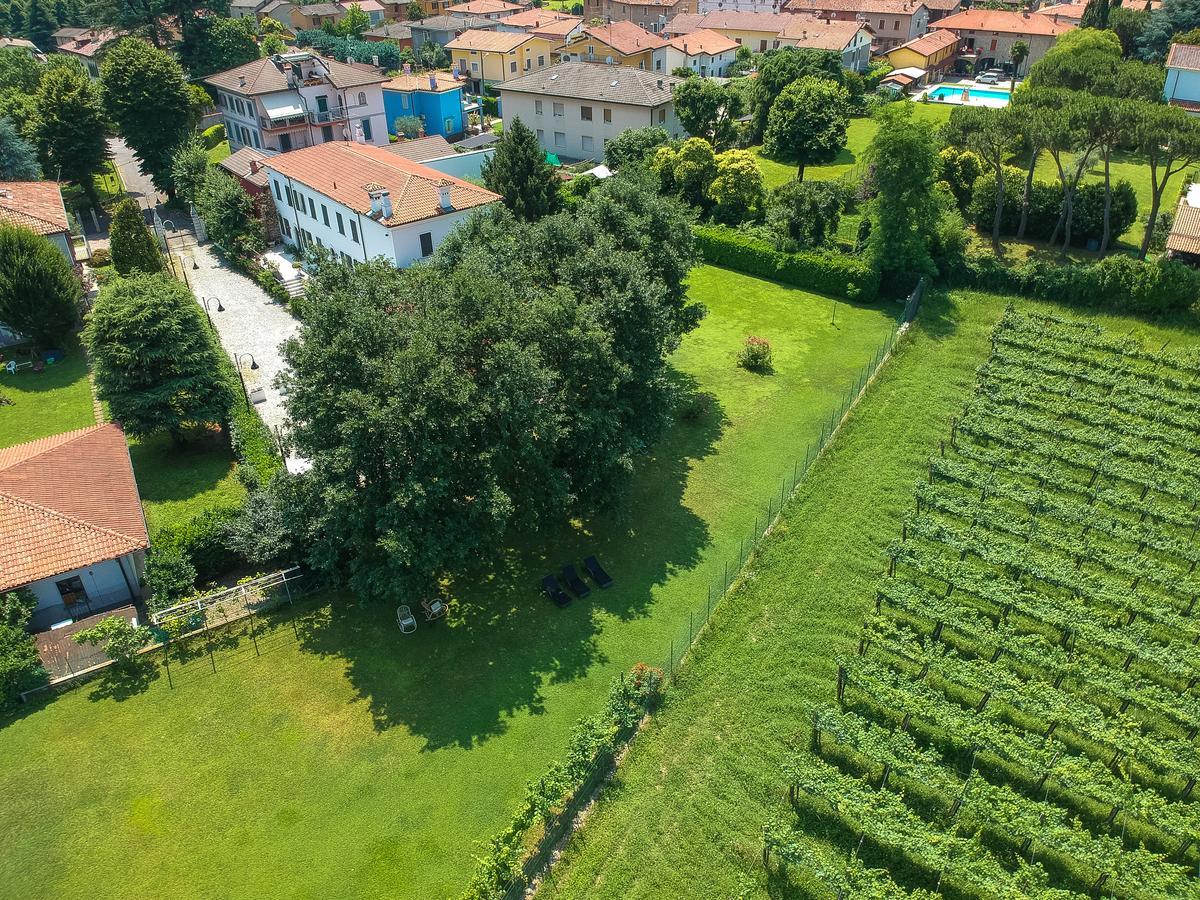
{"x":282,"y":106}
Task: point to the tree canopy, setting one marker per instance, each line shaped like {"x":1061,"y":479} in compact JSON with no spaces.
{"x":779,"y":68}
{"x":1173,"y":17}
{"x":18,"y":158}
{"x":214,"y":44}
{"x":708,"y":110}
{"x":132,"y":246}
{"x":519,"y":173}
{"x":39,"y":294}
{"x":634,"y":145}
{"x":807,"y":123}
{"x":69,"y":126}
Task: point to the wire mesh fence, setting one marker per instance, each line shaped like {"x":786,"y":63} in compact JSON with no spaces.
{"x":718,"y":585}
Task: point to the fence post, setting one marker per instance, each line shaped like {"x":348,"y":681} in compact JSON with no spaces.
{"x":252,"y":635}
{"x":167,"y":664}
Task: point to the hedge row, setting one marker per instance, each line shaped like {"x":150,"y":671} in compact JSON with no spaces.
{"x":1116,"y":282}
{"x":825,"y":272}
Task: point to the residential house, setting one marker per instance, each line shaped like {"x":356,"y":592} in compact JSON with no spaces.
{"x":373,"y":8}
{"x":74,"y":533}
{"x":547,"y":23}
{"x":492,"y":57}
{"x":651,"y":15}
{"x":934,"y":52}
{"x":762,"y":31}
{"x":363,"y":202}
{"x":939,"y":9}
{"x":1183,"y":243}
{"x":706,"y":52}
{"x":436,"y":97}
{"x":496,"y":10}
{"x":575,"y":108}
{"x":311,"y":16}
{"x":281,"y":11}
{"x":422,"y":149}
{"x":443,"y":29}
{"x":894,"y":22}
{"x":395,"y":10}
{"x":38,"y":206}
{"x":246,"y":167}
{"x":752,"y":6}
{"x":617,"y":44}
{"x":86,"y":45}
{"x":246,"y":9}
{"x":300,"y":99}
{"x":1072,"y":13}
{"x":1182,"y":87}
{"x":397,"y":32}
{"x":27,"y":47}
{"x":986,"y":36}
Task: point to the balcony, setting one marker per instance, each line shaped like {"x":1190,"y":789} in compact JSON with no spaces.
{"x":269,"y":124}
{"x":319,"y":117}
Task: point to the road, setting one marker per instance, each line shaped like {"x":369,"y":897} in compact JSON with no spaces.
{"x":137,"y":185}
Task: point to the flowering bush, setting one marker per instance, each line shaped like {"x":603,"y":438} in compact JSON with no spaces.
{"x":755,"y":354}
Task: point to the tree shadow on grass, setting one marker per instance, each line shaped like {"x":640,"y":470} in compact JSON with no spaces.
{"x":456,"y":682}
{"x":122,"y":682}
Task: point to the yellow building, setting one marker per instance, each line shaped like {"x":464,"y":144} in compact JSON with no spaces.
{"x":934,"y":52}
{"x":490,"y":57}
{"x":618,"y":44}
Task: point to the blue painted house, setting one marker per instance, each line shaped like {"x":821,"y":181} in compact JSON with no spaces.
{"x":434,"y":96}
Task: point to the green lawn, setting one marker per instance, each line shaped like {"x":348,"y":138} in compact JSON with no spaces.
{"x":352,"y":761}
{"x":218,"y":153}
{"x":178,"y":483}
{"x":45,"y":403}
{"x":688,"y":805}
{"x":858,"y":138}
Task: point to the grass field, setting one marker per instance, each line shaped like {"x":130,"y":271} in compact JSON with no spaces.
{"x":218,"y":153}
{"x":352,"y":761}
{"x":48,"y":402}
{"x":684,"y":814}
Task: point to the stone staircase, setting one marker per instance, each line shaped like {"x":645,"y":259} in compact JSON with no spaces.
{"x":294,"y":286}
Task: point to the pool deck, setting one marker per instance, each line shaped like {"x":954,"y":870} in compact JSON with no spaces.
{"x":970,"y":86}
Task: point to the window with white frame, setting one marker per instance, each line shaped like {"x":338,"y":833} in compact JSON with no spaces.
{"x":559,"y":111}
{"x":537,"y":107}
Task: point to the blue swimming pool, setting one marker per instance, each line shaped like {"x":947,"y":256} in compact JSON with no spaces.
{"x":947,"y":92}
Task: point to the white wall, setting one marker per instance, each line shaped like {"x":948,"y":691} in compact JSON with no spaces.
{"x":575,"y":130}
{"x":1182,"y":84}
{"x":103,"y":582}
{"x":305,"y":135}
{"x":712,"y":66}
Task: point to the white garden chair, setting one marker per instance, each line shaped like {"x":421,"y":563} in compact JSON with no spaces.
{"x":406,"y":620}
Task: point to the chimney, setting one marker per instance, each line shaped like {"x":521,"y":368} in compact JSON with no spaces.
{"x":432,"y":82}
{"x":255,"y":165}
{"x":443,"y":189}
{"x":385,"y":204}
{"x":375,"y":61}
{"x":241,"y":80}
{"x":660,"y":84}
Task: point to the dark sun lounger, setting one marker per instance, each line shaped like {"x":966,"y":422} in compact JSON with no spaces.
{"x":597,"y":572}
{"x":577,"y":585}
{"x":554,"y":591}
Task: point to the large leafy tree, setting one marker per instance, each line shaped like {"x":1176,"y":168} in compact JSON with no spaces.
{"x":18,"y":158}
{"x":189,"y":167}
{"x":989,"y":133}
{"x":805,"y":214}
{"x":687,"y":170}
{"x":354,"y":22}
{"x":779,"y":68}
{"x":153,"y":358}
{"x":213,"y":44}
{"x":1173,"y":17}
{"x":708,"y":110}
{"x":18,"y":71}
{"x":517,"y":381}
{"x":519,"y":173}
{"x":145,"y":93}
{"x":905,"y":211}
{"x":807,"y":123}
{"x":1169,"y":139}
{"x":130,"y":242}
{"x":69,"y":126}
{"x":154,"y":20}
{"x":229,"y":214}
{"x":39,"y":294}
{"x":1128,"y":23}
{"x":736,"y":191}
{"x":634,"y":145}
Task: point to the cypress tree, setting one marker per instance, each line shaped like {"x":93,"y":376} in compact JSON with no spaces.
{"x":130,"y":242}
{"x":519,"y":173}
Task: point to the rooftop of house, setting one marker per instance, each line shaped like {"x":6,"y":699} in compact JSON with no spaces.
{"x":1184,"y":56}
{"x":930,"y":42}
{"x":89,"y":43}
{"x":36,"y":205}
{"x":1004,"y":21}
{"x":274,"y":5}
{"x":1185,"y":230}
{"x":347,"y":173}
{"x":544,"y":22}
{"x":422,"y":149}
{"x":596,"y":81}
{"x":20,"y":43}
{"x":433,"y":82}
{"x":804,"y":30}
{"x":671,"y":3}
{"x":625,"y":37}
{"x":820,"y":34}
{"x":888,"y":7}
{"x":69,"y":31}
{"x":484,"y":7}
{"x":703,"y":40}
{"x":396,"y":31}
{"x":489,"y":41}
{"x":246,"y":164}
{"x":265,"y":76}
{"x":66,"y":502}
{"x":452,"y":23}
{"x":321,"y":9}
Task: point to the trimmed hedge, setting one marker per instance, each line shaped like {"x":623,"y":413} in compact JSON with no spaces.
{"x":825,"y":272}
{"x":1116,"y":282}
{"x":202,"y":539}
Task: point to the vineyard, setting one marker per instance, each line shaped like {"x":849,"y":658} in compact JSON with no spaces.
{"x":1020,"y":718}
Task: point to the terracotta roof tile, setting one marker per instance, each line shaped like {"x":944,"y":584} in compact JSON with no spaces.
{"x":544,"y":22}
{"x":432,"y":146}
{"x":36,"y":205}
{"x":1184,"y":56}
{"x":889,"y":7}
{"x":931,"y":42}
{"x":265,"y":76}
{"x":625,"y":37}
{"x":1185,"y":231}
{"x":66,"y":502}
{"x":703,"y":40}
{"x":443,"y":81}
{"x":1004,"y":21}
{"x":457,"y":24}
{"x":491,"y":41}
{"x":484,"y":7}
{"x":341,"y":169}
{"x":817,"y":34}
{"x":596,"y":81}
{"x":239,"y":163}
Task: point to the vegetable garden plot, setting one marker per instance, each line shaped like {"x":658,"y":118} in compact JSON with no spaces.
{"x":1021,"y":717}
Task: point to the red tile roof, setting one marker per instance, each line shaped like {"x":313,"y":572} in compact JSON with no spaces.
{"x":343,"y":170}
{"x":36,"y":205}
{"x":703,"y":40}
{"x":544,"y":22}
{"x":930,"y":43}
{"x":1184,"y":56}
{"x":89,"y":43}
{"x":817,"y":34}
{"x":625,"y":37}
{"x":1185,"y":230}
{"x":66,"y":502}
{"x":484,"y":7}
{"x":442,"y":82}
{"x":488,"y":41}
{"x":1004,"y":21}
{"x":888,"y":7}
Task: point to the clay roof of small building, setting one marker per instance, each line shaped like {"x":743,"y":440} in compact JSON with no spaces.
{"x":90,"y":42}
{"x":671,"y":3}
{"x":419,"y":150}
{"x":397,"y":31}
{"x":265,"y":76}
{"x":484,"y":7}
{"x":930,"y":42}
{"x":66,"y":502}
{"x":494,"y":41}
{"x":625,"y":37}
{"x":1004,"y":21}
{"x":1185,"y":230}
{"x":817,"y":34}
{"x":18,"y":42}
{"x":596,"y":81}
{"x":544,"y":22}
{"x":452,"y":23}
{"x":1184,"y":56}
{"x":239,"y":163}
{"x":69,"y":31}
{"x":36,"y":205}
{"x":703,"y":40}
{"x":443,"y":81}
{"x":888,"y":7}
{"x":321,"y":9}
{"x":341,"y":170}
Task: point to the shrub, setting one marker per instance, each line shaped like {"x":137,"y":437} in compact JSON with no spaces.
{"x":20,"y":666}
{"x":213,"y":136}
{"x":130,"y":242}
{"x":755,"y":355}
{"x":122,"y":640}
{"x":170,"y":575}
{"x":39,"y":294}
{"x":824,"y":272}
{"x":268,"y":281}
{"x":1045,"y":205}
{"x":200,"y":540}
{"x":100,"y":258}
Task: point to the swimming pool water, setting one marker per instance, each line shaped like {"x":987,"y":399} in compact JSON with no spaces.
{"x":944,"y":92}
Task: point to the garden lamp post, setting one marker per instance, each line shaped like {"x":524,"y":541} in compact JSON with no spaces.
{"x":207,"y":301}
{"x":237,"y":361}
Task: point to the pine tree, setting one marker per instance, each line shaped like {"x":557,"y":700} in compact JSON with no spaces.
{"x":69,"y":126}
{"x":18,"y":158}
{"x":40,"y":24}
{"x":130,"y":242}
{"x":154,"y":362}
{"x":519,"y":173}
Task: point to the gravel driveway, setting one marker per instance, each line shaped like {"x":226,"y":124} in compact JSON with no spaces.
{"x":251,"y":323}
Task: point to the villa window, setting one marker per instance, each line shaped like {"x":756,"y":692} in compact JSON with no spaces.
{"x":325,"y":214}
{"x":354,"y":231}
{"x":559,"y":111}
{"x":608,"y":116}
{"x":362,"y":98}
{"x":585,"y":113}
{"x":427,"y":244}
{"x":278,"y":193}
{"x":537,"y":107}
{"x":341,"y":224}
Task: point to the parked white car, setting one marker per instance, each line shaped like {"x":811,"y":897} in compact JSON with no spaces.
{"x":989,"y":77}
